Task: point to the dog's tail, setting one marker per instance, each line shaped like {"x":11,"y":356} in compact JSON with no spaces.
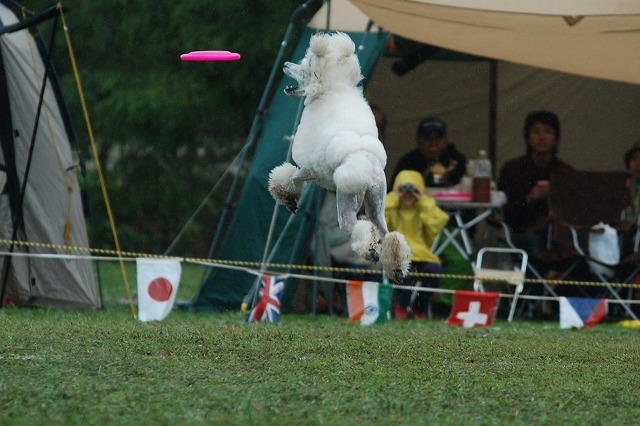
{"x":357,"y":172}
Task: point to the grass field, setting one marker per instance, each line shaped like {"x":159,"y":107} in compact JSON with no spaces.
{"x":104,"y":367}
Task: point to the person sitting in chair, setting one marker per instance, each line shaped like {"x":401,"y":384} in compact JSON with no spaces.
{"x":525,"y":181}
{"x":632,"y":211}
{"x":435,"y":157}
{"x":632,"y":162}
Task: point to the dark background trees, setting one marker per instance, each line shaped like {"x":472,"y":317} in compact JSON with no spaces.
{"x":166,"y":129}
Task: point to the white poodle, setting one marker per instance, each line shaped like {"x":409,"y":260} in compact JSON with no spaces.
{"x":337,"y":145}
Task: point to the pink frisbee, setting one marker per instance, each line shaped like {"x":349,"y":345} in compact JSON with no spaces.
{"x":210,"y":55}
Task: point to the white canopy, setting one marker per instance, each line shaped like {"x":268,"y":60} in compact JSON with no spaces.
{"x":594,"y":38}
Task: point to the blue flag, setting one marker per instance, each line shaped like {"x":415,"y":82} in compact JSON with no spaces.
{"x":581,"y":312}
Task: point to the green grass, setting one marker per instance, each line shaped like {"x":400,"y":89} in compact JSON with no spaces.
{"x":77,"y":367}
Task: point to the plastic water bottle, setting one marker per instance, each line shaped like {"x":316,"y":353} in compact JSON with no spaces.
{"x":481,"y":188}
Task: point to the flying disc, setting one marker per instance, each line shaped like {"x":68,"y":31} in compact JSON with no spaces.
{"x":210,"y":55}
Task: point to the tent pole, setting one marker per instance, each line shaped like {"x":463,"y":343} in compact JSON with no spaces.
{"x":17,"y":217}
{"x":32,"y":20}
{"x":255,"y":126}
{"x":493,"y":115}
{"x":296,"y":244}
{"x":250,"y":298}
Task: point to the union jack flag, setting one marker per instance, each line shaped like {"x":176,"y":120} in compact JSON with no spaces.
{"x":268,"y":308}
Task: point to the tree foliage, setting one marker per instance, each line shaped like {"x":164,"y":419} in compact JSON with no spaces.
{"x":166,"y":129}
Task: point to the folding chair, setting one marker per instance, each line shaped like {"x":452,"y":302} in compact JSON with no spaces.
{"x":514,"y":277}
{"x":548,"y":290}
{"x":578,"y":201}
{"x":630,"y":263}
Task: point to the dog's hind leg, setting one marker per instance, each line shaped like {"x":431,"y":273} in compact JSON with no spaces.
{"x":365,"y":238}
{"x":395,"y":254}
{"x":374,"y":206}
{"x":395,"y":250}
{"x":348,"y":206}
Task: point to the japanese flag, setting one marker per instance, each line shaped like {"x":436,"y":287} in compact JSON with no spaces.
{"x":158,"y":281}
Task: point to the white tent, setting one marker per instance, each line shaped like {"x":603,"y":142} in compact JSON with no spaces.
{"x":50,"y":211}
{"x":595,"y":38}
{"x":545,"y":60}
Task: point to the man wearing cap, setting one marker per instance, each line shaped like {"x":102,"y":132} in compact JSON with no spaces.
{"x":441,"y":164}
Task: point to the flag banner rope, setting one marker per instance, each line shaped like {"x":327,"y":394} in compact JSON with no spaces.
{"x":273,"y":268}
{"x":225,"y":264}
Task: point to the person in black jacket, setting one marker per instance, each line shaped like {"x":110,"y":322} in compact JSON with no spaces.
{"x":525,"y":181}
{"x":440,"y":163}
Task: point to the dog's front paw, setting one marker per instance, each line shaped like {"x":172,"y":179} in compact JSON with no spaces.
{"x":283,"y":188}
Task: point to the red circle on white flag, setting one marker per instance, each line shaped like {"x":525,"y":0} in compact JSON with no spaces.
{"x":160,"y":289}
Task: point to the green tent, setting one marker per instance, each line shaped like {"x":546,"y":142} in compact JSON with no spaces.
{"x":250,"y":225}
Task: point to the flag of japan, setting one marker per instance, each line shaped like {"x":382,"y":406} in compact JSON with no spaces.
{"x":473,"y":309}
{"x":158,"y":281}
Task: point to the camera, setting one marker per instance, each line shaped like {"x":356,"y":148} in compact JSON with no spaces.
{"x":407,"y":187}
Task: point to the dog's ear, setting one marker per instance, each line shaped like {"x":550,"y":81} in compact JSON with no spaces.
{"x":354,"y":73}
{"x":319,"y":44}
{"x":345,"y":47}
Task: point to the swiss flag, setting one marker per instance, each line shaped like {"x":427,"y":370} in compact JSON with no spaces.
{"x":158,"y":281}
{"x":473,"y":309}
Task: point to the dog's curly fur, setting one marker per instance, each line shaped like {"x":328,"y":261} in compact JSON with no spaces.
{"x":337,"y":145}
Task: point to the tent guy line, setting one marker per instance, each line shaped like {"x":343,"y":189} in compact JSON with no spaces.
{"x":245,"y":266}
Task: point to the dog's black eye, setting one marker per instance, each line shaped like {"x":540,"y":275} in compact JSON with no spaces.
{"x":316,"y":75}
